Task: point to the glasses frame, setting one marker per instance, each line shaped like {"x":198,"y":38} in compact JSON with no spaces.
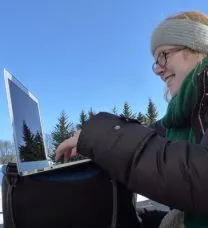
{"x":164,"y":55}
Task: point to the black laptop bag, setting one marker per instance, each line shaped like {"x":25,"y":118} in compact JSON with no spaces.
{"x":76,"y":196}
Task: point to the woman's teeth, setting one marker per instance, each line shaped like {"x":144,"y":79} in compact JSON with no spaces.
{"x":168,"y":80}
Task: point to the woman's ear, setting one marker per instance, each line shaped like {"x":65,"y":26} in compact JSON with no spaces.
{"x":201,"y":56}
{"x":186,"y":53}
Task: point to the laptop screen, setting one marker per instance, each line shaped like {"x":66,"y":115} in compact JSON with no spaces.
{"x":27,"y":124}
{"x":24,"y":112}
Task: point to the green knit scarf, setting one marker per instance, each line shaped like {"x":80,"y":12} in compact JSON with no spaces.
{"x":178,"y":126}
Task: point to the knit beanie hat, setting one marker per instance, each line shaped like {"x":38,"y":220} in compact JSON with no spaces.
{"x":183,"y":32}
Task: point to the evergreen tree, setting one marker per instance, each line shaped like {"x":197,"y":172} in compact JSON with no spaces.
{"x":39,"y":145}
{"x":33,"y":147}
{"x":63,"y":130}
{"x":142,"y":118}
{"x":114,"y":110}
{"x":27,"y":134}
{"x":127,"y":112}
{"x":82,"y":120}
{"x":152,"y":112}
{"x":91,"y":113}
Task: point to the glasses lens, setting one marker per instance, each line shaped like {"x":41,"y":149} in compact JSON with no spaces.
{"x":160,"y":62}
{"x":161,"y":59}
{"x":154,"y":67}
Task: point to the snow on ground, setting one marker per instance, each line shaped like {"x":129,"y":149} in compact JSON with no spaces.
{"x":141,"y":198}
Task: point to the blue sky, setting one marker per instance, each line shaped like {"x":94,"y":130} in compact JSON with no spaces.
{"x":77,"y":54}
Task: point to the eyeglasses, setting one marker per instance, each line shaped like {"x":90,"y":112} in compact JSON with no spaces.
{"x":162,"y":58}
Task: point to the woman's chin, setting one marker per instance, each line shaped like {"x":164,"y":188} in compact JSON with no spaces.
{"x":172,"y":92}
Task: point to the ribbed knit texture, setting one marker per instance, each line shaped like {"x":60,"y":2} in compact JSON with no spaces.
{"x":181,"y":32}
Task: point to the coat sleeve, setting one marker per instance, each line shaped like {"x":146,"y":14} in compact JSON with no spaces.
{"x":158,"y":126}
{"x":172,"y":173}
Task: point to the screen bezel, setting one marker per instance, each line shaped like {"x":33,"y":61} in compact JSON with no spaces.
{"x":23,"y":166}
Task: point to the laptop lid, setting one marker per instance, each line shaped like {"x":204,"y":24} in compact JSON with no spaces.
{"x":26,"y":124}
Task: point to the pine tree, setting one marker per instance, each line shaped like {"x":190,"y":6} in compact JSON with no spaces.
{"x":91,"y":113}
{"x":152,"y":112}
{"x":142,"y":118}
{"x":127,"y":112}
{"x":25,"y":150}
{"x":82,"y":120}
{"x":27,"y":134}
{"x":114,"y":110}
{"x":63,"y":130}
{"x":33,"y":147}
{"x":39,"y":146}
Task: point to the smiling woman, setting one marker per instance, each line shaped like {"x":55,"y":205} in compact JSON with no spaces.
{"x":167,"y":161}
{"x":173,"y":64}
{"x":184,"y":52}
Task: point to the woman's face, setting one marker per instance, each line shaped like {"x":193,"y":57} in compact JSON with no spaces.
{"x":172,"y":64}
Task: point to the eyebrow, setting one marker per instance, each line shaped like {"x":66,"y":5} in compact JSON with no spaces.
{"x":158,"y":55}
{"x":164,"y":51}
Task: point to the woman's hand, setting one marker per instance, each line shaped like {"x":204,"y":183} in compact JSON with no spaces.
{"x":68,"y":147}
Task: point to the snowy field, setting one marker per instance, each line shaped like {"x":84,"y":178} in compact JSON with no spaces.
{"x":141,"y":198}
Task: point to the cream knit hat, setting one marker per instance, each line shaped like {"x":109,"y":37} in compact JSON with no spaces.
{"x":182,"y":32}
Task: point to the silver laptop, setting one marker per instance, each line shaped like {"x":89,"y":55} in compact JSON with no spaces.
{"x":30,"y":146}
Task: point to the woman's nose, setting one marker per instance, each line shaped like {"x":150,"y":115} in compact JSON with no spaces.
{"x":159,"y":70}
